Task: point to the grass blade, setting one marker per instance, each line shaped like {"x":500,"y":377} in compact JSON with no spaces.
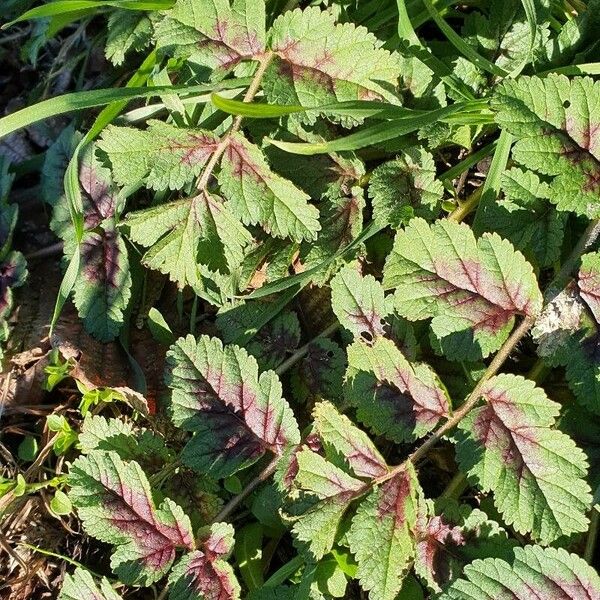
{"x":461,"y":45}
{"x":374,"y":134}
{"x":92,"y":98}
{"x":62,"y":7}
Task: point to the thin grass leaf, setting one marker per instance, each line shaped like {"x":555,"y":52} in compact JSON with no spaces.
{"x":91,"y":98}
{"x":461,"y":45}
{"x":69,"y":6}
{"x":371,"y":135}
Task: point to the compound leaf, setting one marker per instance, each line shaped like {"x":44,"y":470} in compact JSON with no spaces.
{"x":381,"y":535}
{"x":534,"y":572}
{"x":235,"y":414}
{"x":114,"y":501}
{"x":259,"y":196}
{"x":204,"y":574}
{"x":556,"y":120}
{"x":472,"y":288}
{"x":162,"y":156}
{"x":190,"y":238}
{"x":81,"y":586}
{"x":537,"y":473}
{"x":393,"y":397}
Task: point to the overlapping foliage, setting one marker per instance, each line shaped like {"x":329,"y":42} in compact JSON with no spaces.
{"x":363,"y":228}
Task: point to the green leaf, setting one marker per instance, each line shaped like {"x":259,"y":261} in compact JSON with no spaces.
{"x":359,"y":304}
{"x":13,"y":273}
{"x":536,"y":472}
{"x":321,"y":372}
{"x":405,"y":187}
{"x":103,"y":287}
{"x":381,"y":536}
{"x":189,"y":238}
{"x":322,"y":493}
{"x":114,"y":501}
{"x":393,"y":397}
{"x":319,"y":62}
{"x":588,"y":281}
{"x":508,"y":36}
{"x":555,"y":119}
{"x":205,"y":574}
{"x":8,"y":221}
{"x":356,"y":109}
{"x":534,"y":571}
{"x":342,"y":439}
{"x":370,"y":135}
{"x":28,"y":449}
{"x":81,"y":586}
{"x":249,"y":554}
{"x":341,"y":224}
{"x":472,"y":288}
{"x":98,"y":433}
{"x":259,"y":196}
{"x":127,"y":31}
{"x":450,"y":537}
{"x":526,"y":218}
{"x":215,"y":33}
{"x":60,"y":7}
{"x":235,"y":414}
{"x":118,"y":97}
{"x":60,"y":504}
{"x":276,"y":340}
{"x":163,"y":156}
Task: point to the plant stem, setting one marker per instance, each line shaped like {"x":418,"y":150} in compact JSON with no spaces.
{"x":464,"y":209}
{"x":590,"y":542}
{"x":236,"y":500}
{"x":458,"y":484}
{"x":253,"y":88}
{"x":51,"y":250}
{"x":472,"y":399}
{"x":588,"y":237}
{"x":301,"y":352}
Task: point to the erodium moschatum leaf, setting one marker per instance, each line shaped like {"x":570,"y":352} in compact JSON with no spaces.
{"x":236,"y":414}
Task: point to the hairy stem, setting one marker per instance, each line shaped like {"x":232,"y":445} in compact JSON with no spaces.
{"x":253,"y":88}
{"x":587,"y":239}
{"x":472,"y":399}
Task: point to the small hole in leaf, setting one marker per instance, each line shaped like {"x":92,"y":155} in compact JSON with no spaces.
{"x":366,"y":336}
{"x":330,"y":354}
{"x":566,"y":104}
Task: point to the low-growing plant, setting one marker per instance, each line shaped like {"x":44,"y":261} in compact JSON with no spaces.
{"x":383,"y":376}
